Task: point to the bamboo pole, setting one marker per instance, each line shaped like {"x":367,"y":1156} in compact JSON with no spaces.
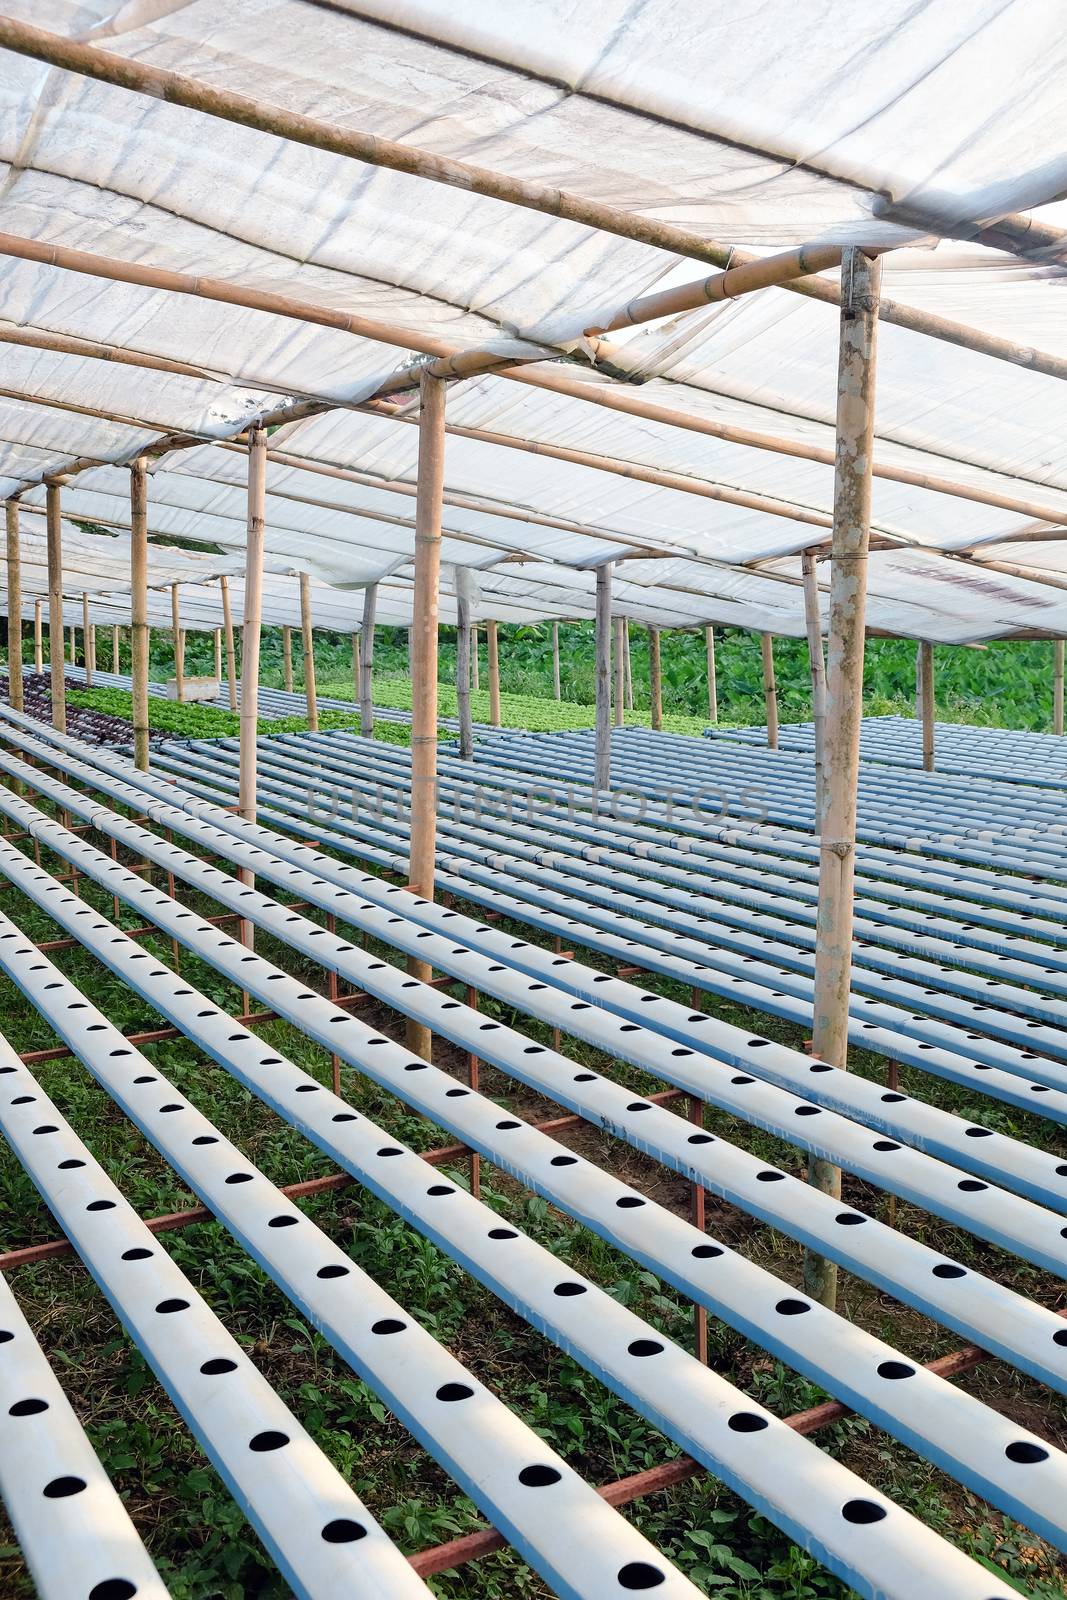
{"x":1057,"y":686}
{"x":87,"y":641}
{"x":116,"y":654}
{"x":475,"y":663}
{"x":160,"y":84}
{"x":55,"y":607}
{"x":813,"y":624}
{"x":287,"y":659}
{"x":619,"y":672}
{"x":555,"y":660}
{"x":713,"y":690}
{"x":231,"y":653}
{"x":218,"y":655}
{"x":770,"y":689}
{"x":308,"y":311}
{"x":655,"y":678}
{"x":179,"y":642}
{"x":425,"y":609}
{"x":139,"y":636}
{"x":926,"y":701}
{"x":308,"y":641}
{"x":14,"y":608}
{"x":464,"y":631}
{"x":629,"y":666}
{"x":602,"y":644}
{"x":844,"y":699}
{"x":38,"y":639}
{"x":494,"y":672}
{"x":366,"y":666}
{"x":355,"y":667}
{"x":251,"y":631}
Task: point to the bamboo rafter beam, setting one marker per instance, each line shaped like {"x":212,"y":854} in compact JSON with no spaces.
{"x":611,"y":397}
{"x":177,"y":89}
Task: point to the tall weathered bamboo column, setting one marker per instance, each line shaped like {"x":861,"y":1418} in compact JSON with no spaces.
{"x":366,"y":665}
{"x":618,"y":665}
{"x":179,"y":642}
{"x":55,"y":607}
{"x":860,"y":279}
{"x":88,"y":641}
{"x":713,"y":688}
{"x":287,"y":659}
{"x":251,"y":630}
{"x":464,"y":631}
{"x":218,"y":654}
{"x":770,"y":689}
{"x":493,"y":645}
{"x":308,"y":641}
{"x":813,"y":624}
{"x":14,"y":608}
{"x":1057,"y":686}
{"x":475,"y":663}
{"x":926,"y":701}
{"x":426,"y":603}
{"x":628,"y":665}
{"x":231,"y":653}
{"x":139,"y":610}
{"x":38,"y":638}
{"x":355,"y":667}
{"x":602,"y":643}
{"x":555,"y":660}
{"x":655,"y":678}
{"x":116,"y":665}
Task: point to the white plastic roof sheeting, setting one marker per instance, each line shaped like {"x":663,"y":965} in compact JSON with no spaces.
{"x":758,"y":135}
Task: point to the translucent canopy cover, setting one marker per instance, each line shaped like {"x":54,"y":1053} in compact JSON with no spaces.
{"x":806,"y":123}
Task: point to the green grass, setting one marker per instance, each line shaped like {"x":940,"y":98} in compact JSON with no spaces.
{"x":1007,"y":684}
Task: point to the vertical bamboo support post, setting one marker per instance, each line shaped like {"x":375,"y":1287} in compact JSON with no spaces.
{"x":14,"y":608}
{"x":139,"y":610}
{"x":1057,"y":686}
{"x":860,"y":278}
{"x":88,"y":642}
{"x":116,"y":660}
{"x":287,"y":659}
{"x":475,"y":664}
{"x":494,"y":673}
{"x":231,"y":654}
{"x":38,"y":639}
{"x":618,"y":665}
{"x":602,"y":646}
{"x":218,"y":654}
{"x":926,"y":701}
{"x":770,"y":689}
{"x":179,"y":642}
{"x":813,"y":624}
{"x":366,"y":665}
{"x":426,"y":600}
{"x":713,"y":687}
{"x":655,"y":678}
{"x":463,"y":663}
{"x":252,"y":623}
{"x":307,"y":636}
{"x":355,"y":668}
{"x":55,"y":607}
{"x":629,"y":667}
{"x":555,"y":660}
